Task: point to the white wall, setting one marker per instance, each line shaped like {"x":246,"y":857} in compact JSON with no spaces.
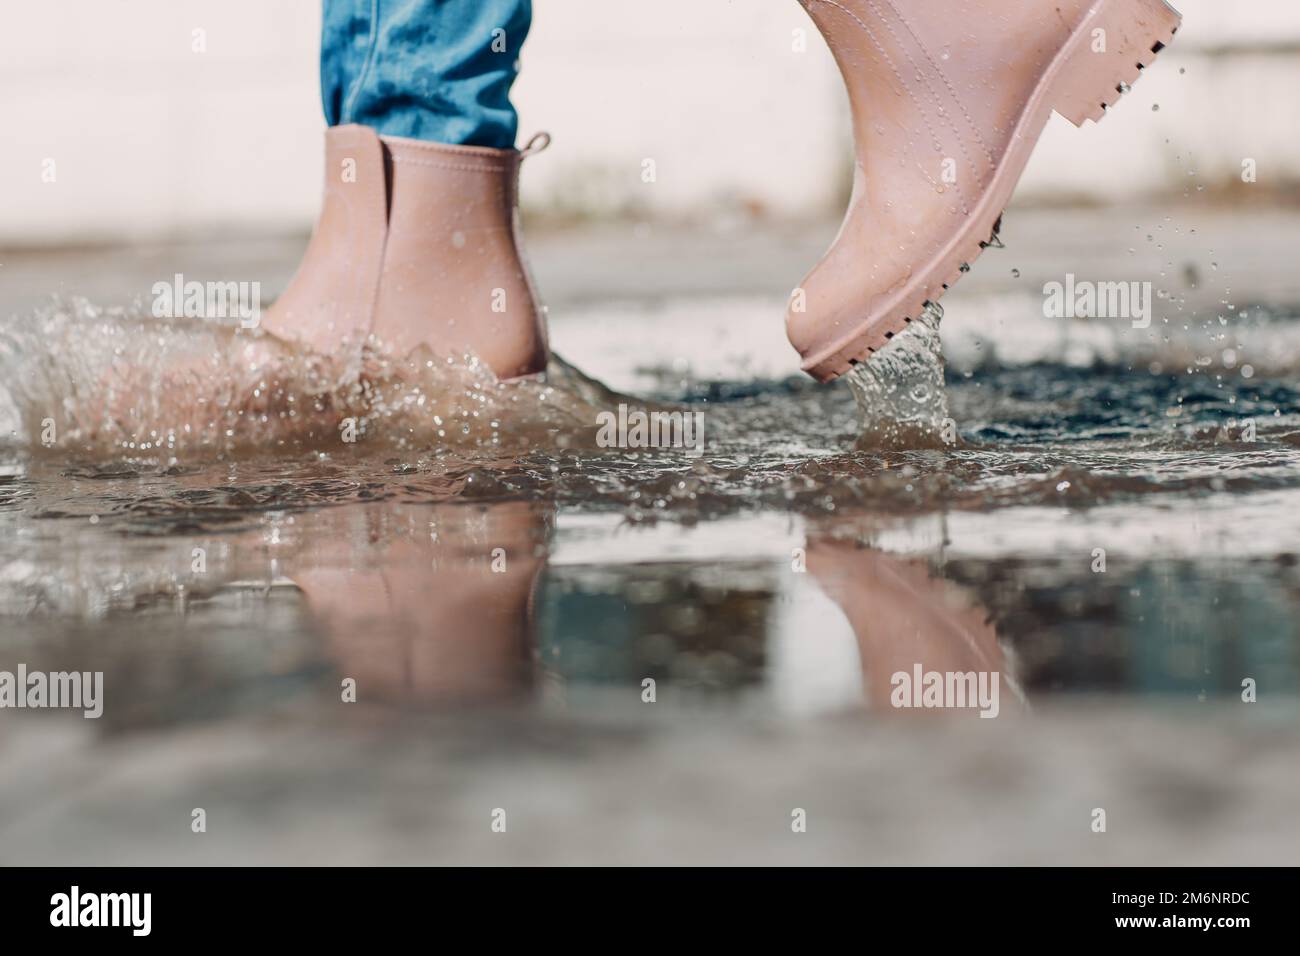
{"x":150,"y":138}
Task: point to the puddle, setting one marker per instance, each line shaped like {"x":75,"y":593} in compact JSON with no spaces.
{"x":1102,"y":523}
{"x":1100,"y":528}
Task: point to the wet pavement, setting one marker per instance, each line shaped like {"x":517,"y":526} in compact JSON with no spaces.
{"x":1111,"y":531}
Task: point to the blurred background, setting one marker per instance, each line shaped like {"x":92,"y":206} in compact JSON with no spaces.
{"x":154,"y":140}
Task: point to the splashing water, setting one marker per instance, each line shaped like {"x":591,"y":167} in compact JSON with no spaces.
{"x":129,"y":396}
{"x":900,"y":391}
{"x":118,"y":381}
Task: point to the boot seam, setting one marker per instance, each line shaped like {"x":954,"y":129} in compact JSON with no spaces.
{"x":970,"y":121}
{"x":455,"y":149}
{"x":460,"y":167}
{"x":385,"y":165}
{"x":931,"y":94}
{"x":884,"y":54}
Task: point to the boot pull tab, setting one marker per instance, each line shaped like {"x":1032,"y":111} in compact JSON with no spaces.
{"x":536,"y":145}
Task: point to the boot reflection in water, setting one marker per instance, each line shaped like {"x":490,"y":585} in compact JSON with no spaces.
{"x":426,"y":605}
{"x":907,"y":623}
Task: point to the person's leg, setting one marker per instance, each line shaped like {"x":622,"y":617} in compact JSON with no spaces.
{"x":417,"y":249}
{"x":436,"y":70}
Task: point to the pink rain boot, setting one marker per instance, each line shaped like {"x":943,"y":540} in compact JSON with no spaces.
{"x":418,"y":246}
{"x":948,"y":99}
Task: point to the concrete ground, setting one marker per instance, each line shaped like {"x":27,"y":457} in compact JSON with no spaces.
{"x":1179,"y":786}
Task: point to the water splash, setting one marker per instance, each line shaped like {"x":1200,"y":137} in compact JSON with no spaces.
{"x":117,"y":381}
{"x":900,"y":390}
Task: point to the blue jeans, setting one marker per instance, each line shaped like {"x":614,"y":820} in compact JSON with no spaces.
{"x":437,"y":70}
